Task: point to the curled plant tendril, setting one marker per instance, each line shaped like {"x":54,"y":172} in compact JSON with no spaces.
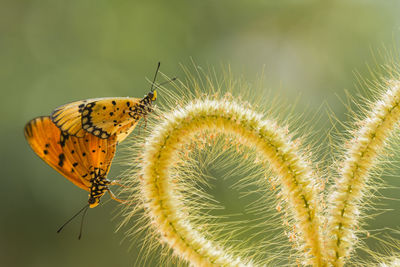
{"x":322,"y":246}
{"x":270,"y":141}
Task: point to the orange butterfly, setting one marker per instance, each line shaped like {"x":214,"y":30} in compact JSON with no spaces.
{"x":84,"y":161}
{"x":104,"y":117}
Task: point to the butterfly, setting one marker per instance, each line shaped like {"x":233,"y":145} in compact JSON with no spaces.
{"x":104,"y":117}
{"x":84,"y":161}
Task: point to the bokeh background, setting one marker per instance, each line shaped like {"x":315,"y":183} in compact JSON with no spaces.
{"x":54,"y":52}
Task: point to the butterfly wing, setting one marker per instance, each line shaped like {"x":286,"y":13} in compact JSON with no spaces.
{"x":90,"y":154}
{"x":43,"y":137}
{"x":124,"y":131}
{"x":101,"y":117}
{"x":68,"y":117}
{"x":108,"y":116}
{"x":74,"y":158}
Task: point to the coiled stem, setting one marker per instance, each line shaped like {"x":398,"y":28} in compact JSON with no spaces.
{"x":224,"y":117}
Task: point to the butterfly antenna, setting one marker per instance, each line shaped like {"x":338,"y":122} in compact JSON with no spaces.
{"x":83,"y":218}
{"x":85,"y":207}
{"x":155,"y":76}
{"x":166,"y":82}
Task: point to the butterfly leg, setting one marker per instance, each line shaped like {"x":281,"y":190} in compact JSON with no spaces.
{"x":115,"y":198}
{"x":139,"y":126}
{"x":116,"y":182}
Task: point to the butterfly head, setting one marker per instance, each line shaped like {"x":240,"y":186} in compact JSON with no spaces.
{"x":152,"y":95}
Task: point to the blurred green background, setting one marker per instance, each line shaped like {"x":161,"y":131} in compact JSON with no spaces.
{"x":54,"y":52}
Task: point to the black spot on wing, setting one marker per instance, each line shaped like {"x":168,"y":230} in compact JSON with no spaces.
{"x":63,"y":138}
{"x":61,"y":159}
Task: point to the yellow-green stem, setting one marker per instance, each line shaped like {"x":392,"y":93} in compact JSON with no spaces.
{"x":295,"y":176}
{"x":360,"y":159}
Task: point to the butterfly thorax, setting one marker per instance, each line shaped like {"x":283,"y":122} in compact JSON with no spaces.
{"x":144,"y":106}
{"x":97,"y":189}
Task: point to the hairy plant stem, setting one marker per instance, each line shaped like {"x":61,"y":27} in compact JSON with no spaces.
{"x":296,"y":178}
{"x":349,"y":189}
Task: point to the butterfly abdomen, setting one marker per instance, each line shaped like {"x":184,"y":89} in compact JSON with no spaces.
{"x":98,"y":188}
